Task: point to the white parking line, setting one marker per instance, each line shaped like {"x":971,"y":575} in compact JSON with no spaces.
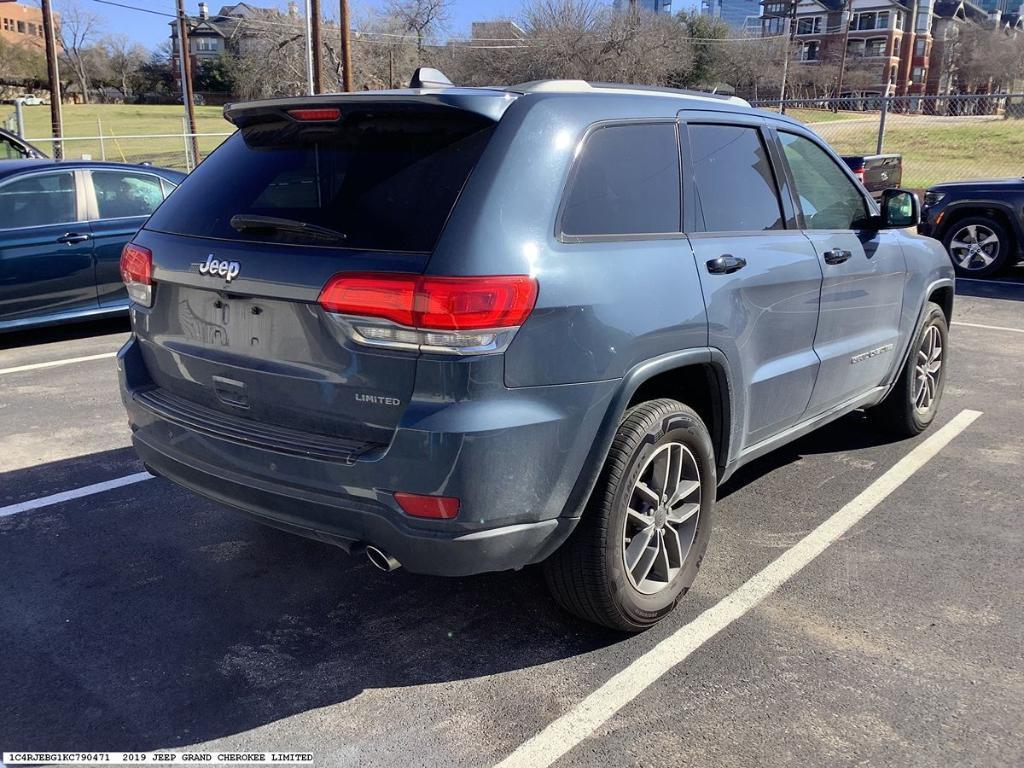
{"x":581,"y":721}
{"x":990,"y":327}
{"x":76,"y":493}
{"x":55,"y":363}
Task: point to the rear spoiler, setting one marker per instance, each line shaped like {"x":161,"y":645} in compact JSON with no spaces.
{"x":487,"y":103}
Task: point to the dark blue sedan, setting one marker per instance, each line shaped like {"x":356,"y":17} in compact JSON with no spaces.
{"x":62,"y":228}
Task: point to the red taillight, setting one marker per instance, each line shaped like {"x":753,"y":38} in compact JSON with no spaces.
{"x":859,"y":173}
{"x":136,"y":264}
{"x":315,"y":115}
{"x":436,"y":507}
{"x":433,"y":303}
{"x":137,"y":273}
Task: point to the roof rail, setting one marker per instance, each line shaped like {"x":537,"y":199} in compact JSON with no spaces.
{"x":582,"y":86}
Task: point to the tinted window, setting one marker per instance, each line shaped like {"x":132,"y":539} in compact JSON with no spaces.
{"x":38,"y":200}
{"x":734,"y":179}
{"x":828,"y":197}
{"x":625,"y":183}
{"x":9,"y":150}
{"x":388,"y":181}
{"x":120,"y":194}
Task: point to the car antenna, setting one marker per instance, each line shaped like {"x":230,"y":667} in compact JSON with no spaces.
{"x":428,"y":77}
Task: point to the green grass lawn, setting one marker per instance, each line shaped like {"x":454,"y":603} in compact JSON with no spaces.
{"x":118,"y":120}
{"x":936,"y":150}
{"x":824,"y":115}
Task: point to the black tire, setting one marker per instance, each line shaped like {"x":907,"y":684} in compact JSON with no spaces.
{"x":999,"y":251}
{"x":899,"y":413}
{"x":587,"y":575}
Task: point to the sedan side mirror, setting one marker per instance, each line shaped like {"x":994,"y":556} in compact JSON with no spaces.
{"x":900,"y":209}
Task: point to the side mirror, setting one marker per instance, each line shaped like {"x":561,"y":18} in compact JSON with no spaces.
{"x":900,"y":209}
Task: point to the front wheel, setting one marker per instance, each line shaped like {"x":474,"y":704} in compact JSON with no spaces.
{"x":912,"y":404}
{"x":640,"y":542}
{"x":978,"y":246}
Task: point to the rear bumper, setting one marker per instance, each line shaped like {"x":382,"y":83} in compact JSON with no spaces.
{"x":513,"y":458}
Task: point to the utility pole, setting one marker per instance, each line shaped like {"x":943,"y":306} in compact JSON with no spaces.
{"x":317,"y":46}
{"x":346,"y":48}
{"x":790,"y":24}
{"x":53,"y":75}
{"x":905,"y":67}
{"x":184,"y":55}
{"x":846,"y":43}
{"x":309,"y":49}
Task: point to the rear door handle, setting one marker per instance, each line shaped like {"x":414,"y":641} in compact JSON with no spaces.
{"x":726,"y":264}
{"x":73,"y":237}
{"x":837,"y":256}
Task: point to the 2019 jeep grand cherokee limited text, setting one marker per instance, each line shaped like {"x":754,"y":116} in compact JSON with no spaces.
{"x":469,"y":330}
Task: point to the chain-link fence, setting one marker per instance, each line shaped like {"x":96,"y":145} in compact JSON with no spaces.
{"x":941,"y":138}
{"x":168,"y":150}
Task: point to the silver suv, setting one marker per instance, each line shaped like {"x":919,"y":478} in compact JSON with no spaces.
{"x":467,"y":330}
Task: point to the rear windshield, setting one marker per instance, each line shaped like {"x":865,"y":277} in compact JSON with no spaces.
{"x":383,"y":181}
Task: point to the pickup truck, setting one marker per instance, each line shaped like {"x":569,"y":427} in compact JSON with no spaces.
{"x":876,"y":172}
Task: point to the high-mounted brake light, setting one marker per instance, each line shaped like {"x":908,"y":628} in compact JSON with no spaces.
{"x":315,"y":115}
{"x":137,"y":273}
{"x":445,"y":314}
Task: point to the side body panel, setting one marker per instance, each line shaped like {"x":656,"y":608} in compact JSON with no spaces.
{"x":861,"y":307}
{"x":603,"y":307}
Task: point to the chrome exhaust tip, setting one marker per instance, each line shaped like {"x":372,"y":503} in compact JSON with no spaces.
{"x":382,"y":559}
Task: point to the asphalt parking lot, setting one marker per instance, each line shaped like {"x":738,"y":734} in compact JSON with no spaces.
{"x":141,"y":617}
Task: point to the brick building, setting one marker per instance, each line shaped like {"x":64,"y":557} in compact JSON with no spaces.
{"x":22,"y":24}
{"x":896,"y":44}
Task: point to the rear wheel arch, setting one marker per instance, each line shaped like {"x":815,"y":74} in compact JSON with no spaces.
{"x":702,"y":386}
{"x":661,"y":372}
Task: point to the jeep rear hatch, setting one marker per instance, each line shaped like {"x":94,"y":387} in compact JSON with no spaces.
{"x":244,"y":247}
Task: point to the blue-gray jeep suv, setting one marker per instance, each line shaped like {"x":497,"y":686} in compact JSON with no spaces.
{"x":467,"y":330}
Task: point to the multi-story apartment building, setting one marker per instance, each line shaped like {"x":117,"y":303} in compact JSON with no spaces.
{"x":873,"y":32}
{"x":736,"y":13}
{"x":949,"y":19}
{"x":22,"y":24}
{"x":895,"y":44}
{"x":658,"y":6}
{"x":230,"y":29}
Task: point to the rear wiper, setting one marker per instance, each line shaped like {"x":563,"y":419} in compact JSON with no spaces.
{"x":242,"y":222}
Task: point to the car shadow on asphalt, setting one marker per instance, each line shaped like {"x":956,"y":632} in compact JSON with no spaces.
{"x":66,"y":332}
{"x":145,"y":618}
{"x":850,"y":433}
{"x":1009,"y":287}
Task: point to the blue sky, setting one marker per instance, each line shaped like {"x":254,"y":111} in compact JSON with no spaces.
{"x":151,"y":30}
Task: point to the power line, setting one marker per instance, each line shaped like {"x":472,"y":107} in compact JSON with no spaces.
{"x":135,"y":8}
{"x":358,"y":33}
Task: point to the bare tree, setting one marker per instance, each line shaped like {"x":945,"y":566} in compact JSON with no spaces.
{"x":124,"y":62}
{"x":422,"y":18}
{"x":268,"y":56}
{"x":78,"y":31}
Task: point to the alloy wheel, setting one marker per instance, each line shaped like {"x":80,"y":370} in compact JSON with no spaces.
{"x":974,"y":247}
{"x":661,"y":518}
{"x":928,"y":369}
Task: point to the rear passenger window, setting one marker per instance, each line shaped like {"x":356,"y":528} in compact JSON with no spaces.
{"x":122,"y":194}
{"x":734,"y":177}
{"x":626,"y":182}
